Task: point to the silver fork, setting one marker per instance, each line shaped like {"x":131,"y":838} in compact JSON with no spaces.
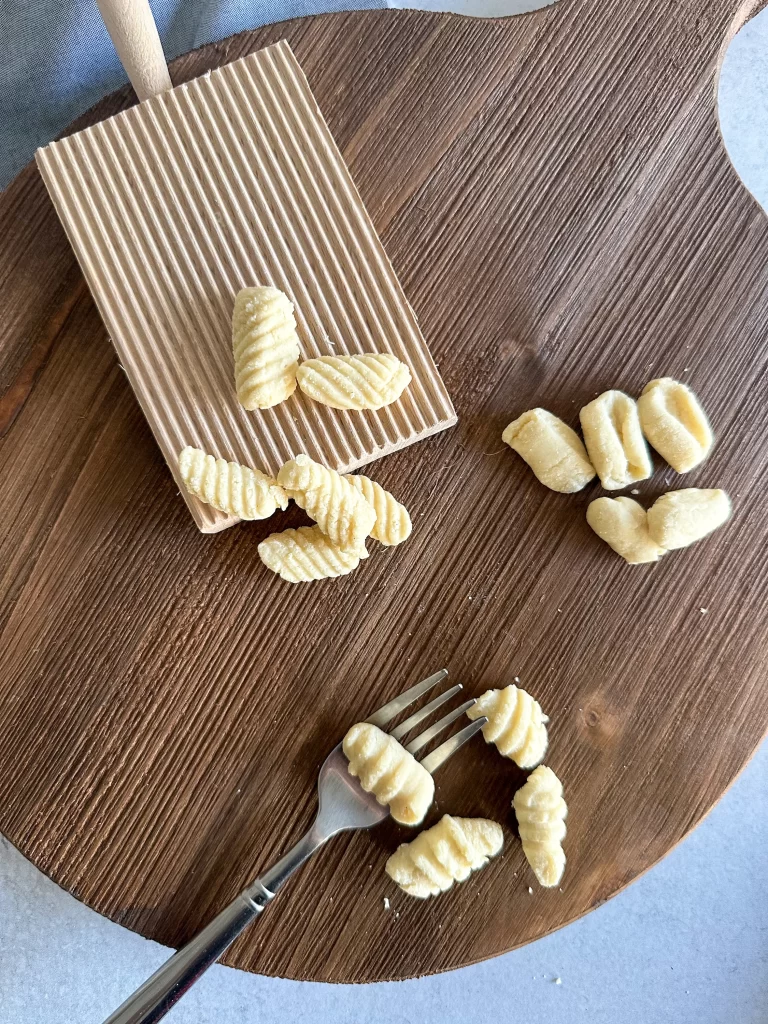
{"x":343,"y":806}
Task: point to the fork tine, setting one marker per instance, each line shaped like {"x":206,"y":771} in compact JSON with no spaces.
{"x":439,"y":756}
{"x":384,"y":715}
{"x":434,"y":730}
{"x":418,"y":716}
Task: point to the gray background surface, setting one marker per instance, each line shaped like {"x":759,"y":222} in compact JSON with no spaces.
{"x":686,"y":943}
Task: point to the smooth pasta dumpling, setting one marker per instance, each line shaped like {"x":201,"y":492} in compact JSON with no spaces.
{"x":393,"y":524}
{"x":516,"y":724}
{"x":614,"y":440}
{"x":680,"y":518}
{"x":675,"y":424}
{"x":552,"y":449}
{"x":624,"y":525}
{"x":338,"y":508}
{"x":368,"y":381}
{"x":231,"y":488}
{"x":386,"y":769}
{"x":306,"y":554}
{"x":446,"y":853}
{"x":541,"y":812}
{"x":265,"y":346}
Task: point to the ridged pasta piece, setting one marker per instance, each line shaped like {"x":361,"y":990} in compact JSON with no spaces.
{"x":265,"y":346}
{"x":446,"y":853}
{"x":306,"y":554}
{"x":541,"y":812}
{"x":368,"y":381}
{"x":231,"y":488}
{"x":552,"y":449}
{"x":614,"y":440}
{"x":680,"y":518}
{"x":393,"y":524}
{"x":336,"y":505}
{"x":386,"y":769}
{"x":624,"y":525}
{"x":516,"y":724}
{"x":675,"y":424}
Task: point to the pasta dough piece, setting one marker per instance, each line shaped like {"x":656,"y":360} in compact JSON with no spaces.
{"x":306,"y":554}
{"x":265,"y":346}
{"x":386,"y":769}
{"x":338,"y":508}
{"x":675,"y":424}
{"x":552,"y":450}
{"x":393,"y":524}
{"x":368,"y":381}
{"x":515,"y":724}
{"x":680,"y":518}
{"x":623,"y":524}
{"x":231,"y":488}
{"x":614,"y":440}
{"x":541,"y":812}
{"x":446,"y":853}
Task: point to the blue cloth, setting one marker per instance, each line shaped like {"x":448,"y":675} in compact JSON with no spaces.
{"x":57,"y":59}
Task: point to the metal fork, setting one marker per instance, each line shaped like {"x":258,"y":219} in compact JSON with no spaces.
{"x":343,"y":806}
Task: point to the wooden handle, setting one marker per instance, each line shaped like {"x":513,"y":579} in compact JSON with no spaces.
{"x":134,"y":33}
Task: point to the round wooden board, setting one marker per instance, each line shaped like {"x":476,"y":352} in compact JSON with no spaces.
{"x":554,"y":194}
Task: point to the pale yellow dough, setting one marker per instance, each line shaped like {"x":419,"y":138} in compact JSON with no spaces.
{"x":306,"y":554}
{"x":393,"y":524}
{"x":623,"y":524}
{"x":265,"y":346}
{"x":552,"y":449}
{"x":336,"y":505}
{"x":680,"y":518}
{"x":386,"y":769}
{"x":675,"y":423}
{"x":541,"y":812}
{"x":229,"y":487}
{"x":446,"y":853}
{"x":368,"y":381}
{"x":614,"y":440}
{"x":516,"y":724}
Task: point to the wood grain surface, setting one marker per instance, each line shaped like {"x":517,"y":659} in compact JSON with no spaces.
{"x":556,"y":201}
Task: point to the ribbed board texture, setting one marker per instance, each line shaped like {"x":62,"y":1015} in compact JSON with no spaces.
{"x":233,"y":180}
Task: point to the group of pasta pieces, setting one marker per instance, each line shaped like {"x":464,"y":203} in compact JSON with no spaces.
{"x":268,"y":370}
{"x":346,"y":510}
{"x":617,"y":430}
{"x":452,"y":849}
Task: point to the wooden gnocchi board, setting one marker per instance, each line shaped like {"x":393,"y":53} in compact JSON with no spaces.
{"x":555,"y":198}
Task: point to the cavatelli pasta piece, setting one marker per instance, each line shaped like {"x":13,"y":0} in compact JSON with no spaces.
{"x":680,"y":518}
{"x":231,"y":488}
{"x":338,"y":508}
{"x":446,"y":853}
{"x":516,"y":724}
{"x":393,"y":524}
{"x":675,"y":423}
{"x":552,"y":449}
{"x":265,"y":346}
{"x":624,"y":525}
{"x":541,"y":812}
{"x":306,"y":554}
{"x":368,"y":381}
{"x":614,"y":440}
{"x":386,"y":769}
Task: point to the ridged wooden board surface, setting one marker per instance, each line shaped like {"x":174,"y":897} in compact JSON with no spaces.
{"x":231,"y":180}
{"x":555,"y":198}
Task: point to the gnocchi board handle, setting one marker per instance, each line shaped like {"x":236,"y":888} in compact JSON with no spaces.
{"x":134,"y":33}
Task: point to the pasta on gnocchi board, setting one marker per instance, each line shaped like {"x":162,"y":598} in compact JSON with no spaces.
{"x":559,"y":206}
{"x":232,"y":180}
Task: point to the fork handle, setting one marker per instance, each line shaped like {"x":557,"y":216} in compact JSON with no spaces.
{"x":168,"y":984}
